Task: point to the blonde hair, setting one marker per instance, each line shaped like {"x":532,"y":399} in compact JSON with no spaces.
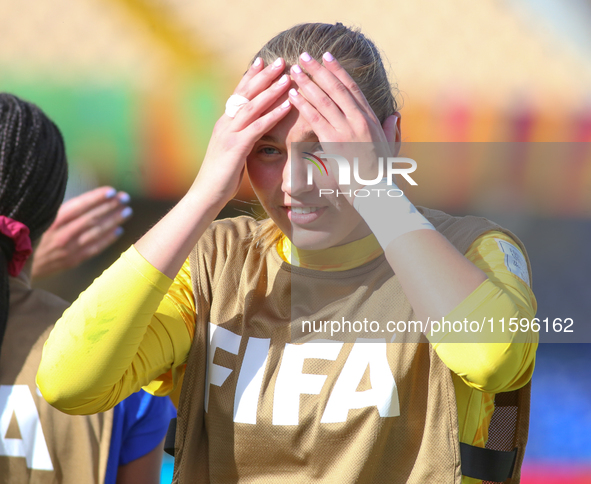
{"x":355,"y":52}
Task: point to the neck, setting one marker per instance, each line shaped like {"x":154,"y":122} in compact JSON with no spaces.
{"x":339,"y":258}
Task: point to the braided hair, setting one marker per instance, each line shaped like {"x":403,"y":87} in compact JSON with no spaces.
{"x":33,"y":175}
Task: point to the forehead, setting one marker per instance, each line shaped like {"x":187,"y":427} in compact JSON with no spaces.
{"x":291,"y":129}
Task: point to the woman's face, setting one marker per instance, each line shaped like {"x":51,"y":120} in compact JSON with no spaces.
{"x":278,"y":175}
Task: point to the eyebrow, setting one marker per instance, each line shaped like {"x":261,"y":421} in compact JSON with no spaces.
{"x":310,"y":136}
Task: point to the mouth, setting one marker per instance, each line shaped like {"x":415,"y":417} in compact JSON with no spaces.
{"x":303,"y":215}
{"x":304,"y":209}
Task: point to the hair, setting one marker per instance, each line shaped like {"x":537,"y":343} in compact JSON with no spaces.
{"x":355,"y":52}
{"x":33,"y":175}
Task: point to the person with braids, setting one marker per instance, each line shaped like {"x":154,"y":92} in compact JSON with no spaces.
{"x":231,"y":304}
{"x":37,"y":442}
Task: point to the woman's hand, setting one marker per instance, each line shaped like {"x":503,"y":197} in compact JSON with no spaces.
{"x":85,"y":226}
{"x":234,"y":138}
{"x":170,"y":241}
{"x":336,"y":109}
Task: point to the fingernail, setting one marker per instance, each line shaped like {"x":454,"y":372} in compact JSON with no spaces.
{"x":110,"y":193}
{"x":285,"y":103}
{"x":277,"y":62}
{"x":284,"y":79}
{"x":306,"y":57}
{"x":293,"y":92}
{"x":124,"y":197}
{"x":327,"y":56}
{"x":126,"y":212}
{"x":257,"y":62}
{"x":297,"y":69}
{"x":118,"y":231}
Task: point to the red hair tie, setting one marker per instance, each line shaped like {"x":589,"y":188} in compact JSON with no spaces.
{"x":19,"y":233}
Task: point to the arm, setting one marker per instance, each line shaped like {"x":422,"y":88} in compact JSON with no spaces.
{"x":130,"y":324}
{"x":441,"y":283}
{"x":494,"y":361}
{"x":113,"y":339}
{"x":435,"y":277}
{"x":170,"y":241}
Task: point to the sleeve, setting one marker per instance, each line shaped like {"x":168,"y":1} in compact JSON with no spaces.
{"x":131,"y":326}
{"x":140,"y":423}
{"x":493,"y":360}
{"x":179,"y":301}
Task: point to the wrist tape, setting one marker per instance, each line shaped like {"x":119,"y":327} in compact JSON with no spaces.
{"x":388,"y":213}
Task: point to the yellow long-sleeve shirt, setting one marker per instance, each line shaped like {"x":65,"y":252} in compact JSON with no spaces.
{"x":143,"y":336}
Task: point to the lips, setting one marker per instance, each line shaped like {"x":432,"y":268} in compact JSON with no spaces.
{"x":303,"y":215}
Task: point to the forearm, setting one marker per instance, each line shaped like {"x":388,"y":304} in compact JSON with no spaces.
{"x":434,"y":276}
{"x":99,"y":351}
{"x":168,"y":244}
{"x":440,"y":282}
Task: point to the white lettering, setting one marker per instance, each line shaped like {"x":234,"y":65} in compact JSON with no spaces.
{"x":400,"y":171}
{"x":226,"y":340}
{"x":383,"y":393}
{"x":344,"y":168}
{"x":250,"y":380}
{"x":360,"y":180}
{"x":17,"y":400}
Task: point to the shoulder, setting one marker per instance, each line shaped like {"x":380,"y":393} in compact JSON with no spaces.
{"x":233,"y":228}
{"x":34,"y":307}
{"x":451,"y":224}
{"x":224,"y":246}
{"x":497,"y":252}
{"x":227,"y":236}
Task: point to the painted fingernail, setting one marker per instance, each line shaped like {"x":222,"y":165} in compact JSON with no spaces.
{"x":293,"y":92}
{"x":126,"y":212}
{"x":124,"y":197}
{"x":110,"y":193}
{"x":257,"y":62}
{"x":283,"y":80}
{"x":327,"y":56}
{"x":285,"y":104}
{"x":118,"y":231}
{"x":277,"y":62}
{"x":306,"y":57}
{"x":296,"y":69}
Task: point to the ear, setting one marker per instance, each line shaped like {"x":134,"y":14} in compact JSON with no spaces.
{"x":392,"y":131}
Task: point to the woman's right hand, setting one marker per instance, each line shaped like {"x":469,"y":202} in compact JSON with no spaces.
{"x":170,"y":241}
{"x":232,"y":139}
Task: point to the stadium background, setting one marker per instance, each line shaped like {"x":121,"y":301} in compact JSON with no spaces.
{"x":496,"y":110}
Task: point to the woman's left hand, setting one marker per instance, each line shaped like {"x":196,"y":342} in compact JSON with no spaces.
{"x":338,"y":112}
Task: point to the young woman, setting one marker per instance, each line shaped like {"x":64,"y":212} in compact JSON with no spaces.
{"x":227,"y":302}
{"x":38,"y":443}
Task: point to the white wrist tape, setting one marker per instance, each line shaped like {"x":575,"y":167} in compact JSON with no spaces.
{"x":388,"y":213}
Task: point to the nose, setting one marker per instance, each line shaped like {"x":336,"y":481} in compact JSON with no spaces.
{"x":295,"y":178}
